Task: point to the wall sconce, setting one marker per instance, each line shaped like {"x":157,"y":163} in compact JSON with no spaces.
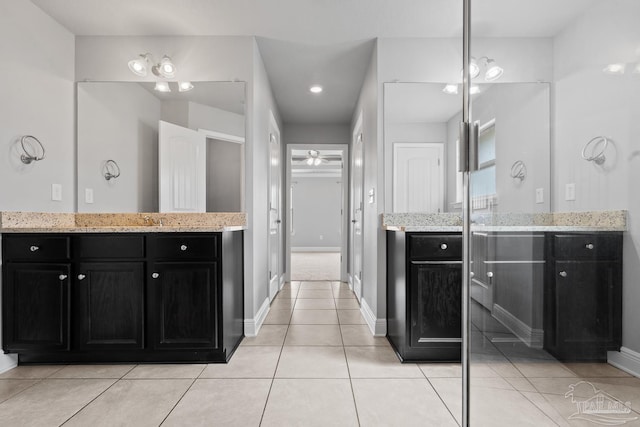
{"x":32,"y":142}
{"x":140,"y":66}
{"x":110,"y":170}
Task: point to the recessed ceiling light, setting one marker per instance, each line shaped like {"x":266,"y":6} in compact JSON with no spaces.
{"x":315,"y":89}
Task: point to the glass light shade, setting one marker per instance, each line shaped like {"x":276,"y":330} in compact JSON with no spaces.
{"x":317,"y":161}
{"x":162,"y":87}
{"x":138,"y":66}
{"x":184,"y":86}
{"x":474,"y":68}
{"x":165,"y":68}
{"x":494,"y":71}
{"x":615,"y":69}
{"x":310,"y":161}
{"x":450,"y":89}
{"x":474,"y":89}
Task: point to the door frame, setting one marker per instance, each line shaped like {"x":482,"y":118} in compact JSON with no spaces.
{"x":357,"y":132}
{"x":273,"y":290}
{"x":344,"y":229}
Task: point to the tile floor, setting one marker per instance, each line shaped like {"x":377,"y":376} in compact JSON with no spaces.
{"x":315,"y":363}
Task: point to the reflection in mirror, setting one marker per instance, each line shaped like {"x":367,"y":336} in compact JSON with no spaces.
{"x":421,"y":127}
{"x":120,"y":121}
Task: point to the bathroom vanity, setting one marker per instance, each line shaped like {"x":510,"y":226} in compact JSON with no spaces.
{"x":557,"y":287}
{"x":122,"y":293}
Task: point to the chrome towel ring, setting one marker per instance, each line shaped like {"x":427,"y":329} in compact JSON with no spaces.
{"x":518,"y":170}
{"x":596,"y":154}
{"x":111,"y":170}
{"x":32,"y":142}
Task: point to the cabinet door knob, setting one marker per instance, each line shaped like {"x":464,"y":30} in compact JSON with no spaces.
{"x":62,"y":276}
{"x":81,"y":276}
{"x":155,"y":275}
{"x":589,"y":246}
{"x":472,"y":274}
{"x":34,"y":248}
{"x":183,"y":247}
{"x":443,"y":246}
{"x":563,"y":274}
{"x":490,"y":274}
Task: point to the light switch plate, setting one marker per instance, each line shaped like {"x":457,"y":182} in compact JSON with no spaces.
{"x":372,"y":196}
{"x":570,"y":191}
{"x":56,"y":192}
{"x":88,"y":195}
{"x":539,"y":195}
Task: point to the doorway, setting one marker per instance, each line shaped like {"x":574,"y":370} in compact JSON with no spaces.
{"x":316,"y":230}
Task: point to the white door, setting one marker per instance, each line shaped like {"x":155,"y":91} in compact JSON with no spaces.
{"x":275,"y":235}
{"x":357,"y":204}
{"x":418,"y":177}
{"x":182,"y":164}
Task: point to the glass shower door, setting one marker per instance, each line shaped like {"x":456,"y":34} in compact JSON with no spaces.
{"x":552,"y":263}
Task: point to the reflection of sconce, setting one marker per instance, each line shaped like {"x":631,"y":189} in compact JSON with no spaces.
{"x":518,"y":170}
{"x":28,"y":141}
{"x":110,"y":170}
{"x":596,"y":155}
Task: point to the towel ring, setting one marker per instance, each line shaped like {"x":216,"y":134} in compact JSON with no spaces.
{"x":111,"y":170}
{"x":27,"y":157}
{"x":597,"y":157}
{"x":518,"y":170}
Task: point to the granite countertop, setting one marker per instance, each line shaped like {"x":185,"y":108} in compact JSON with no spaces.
{"x":42,"y":222}
{"x":557,"y":221}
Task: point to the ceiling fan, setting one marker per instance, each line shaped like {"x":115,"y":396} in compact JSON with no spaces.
{"x":314,"y":159}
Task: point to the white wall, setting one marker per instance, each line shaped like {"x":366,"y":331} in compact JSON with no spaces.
{"x":211,"y":118}
{"x":316,"y":212}
{"x":589,"y":103}
{"x":118,"y":122}
{"x":37,"y":99}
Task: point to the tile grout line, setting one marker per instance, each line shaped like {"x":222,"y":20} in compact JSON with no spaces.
{"x":183,"y":395}
{"x":117,"y":380}
{"x":266,"y":402}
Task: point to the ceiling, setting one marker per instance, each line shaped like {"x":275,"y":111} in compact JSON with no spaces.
{"x":228,"y":96}
{"x":302,"y":42}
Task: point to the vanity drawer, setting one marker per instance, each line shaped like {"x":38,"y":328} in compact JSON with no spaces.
{"x":587,"y":246}
{"x":435,"y":246}
{"x":516,"y":247}
{"x":108,"y":246}
{"x":183,"y":247}
{"x":34,"y":247}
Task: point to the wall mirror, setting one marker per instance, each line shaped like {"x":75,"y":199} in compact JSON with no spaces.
{"x":137,"y":126}
{"x":421,"y":127}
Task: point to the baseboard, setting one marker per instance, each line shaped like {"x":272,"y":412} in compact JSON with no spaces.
{"x":534,"y":338}
{"x":316,"y":249}
{"x":252,"y":326}
{"x":378,"y":327}
{"x":625,"y":359}
{"x":7,"y":362}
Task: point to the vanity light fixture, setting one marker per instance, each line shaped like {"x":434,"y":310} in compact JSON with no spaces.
{"x":474,"y":89}
{"x":315,"y":89}
{"x":615,"y":69}
{"x":492,"y":70}
{"x":185,"y":86}
{"x":140,"y":66}
{"x":162,"y":87}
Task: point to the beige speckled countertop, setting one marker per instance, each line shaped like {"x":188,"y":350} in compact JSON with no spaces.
{"x":44,"y":222}
{"x":557,"y":221}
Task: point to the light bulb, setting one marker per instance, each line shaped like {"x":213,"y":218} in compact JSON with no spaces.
{"x":474,"y":69}
{"x":615,"y":68}
{"x":317,"y":161}
{"x":310,"y":161}
{"x":165,"y":68}
{"x":184,"y":86}
{"x":138,"y":66}
{"x":162,"y":87}
{"x":474,"y":89}
{"x":494,"y":71}
{"x":450,"y":89}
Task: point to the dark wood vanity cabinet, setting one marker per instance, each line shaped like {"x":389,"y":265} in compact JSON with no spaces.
{"x":125,"y":297}
{"x":583,"y":296}
{"x":424,"y":278}
{"x":35,"y":293}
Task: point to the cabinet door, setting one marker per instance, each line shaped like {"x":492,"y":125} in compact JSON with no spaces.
{"x":109,"y":305}
{"x":35,"y":307}
{"x":587,"y":301}
{"x":435,"y":302}
{"x":183,"y":305}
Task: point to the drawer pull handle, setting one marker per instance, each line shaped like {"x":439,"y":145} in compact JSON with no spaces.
{"x":183,"y":247}
{"x":490,"y":274}
{"x":155,"y":275}
{"x":443,"y":246}
{"x":589,"y":246}
{"x":563,"y":274}
{"x":34,"y":248}
{"x":62,"y":276}
{"x":81,"y":276}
